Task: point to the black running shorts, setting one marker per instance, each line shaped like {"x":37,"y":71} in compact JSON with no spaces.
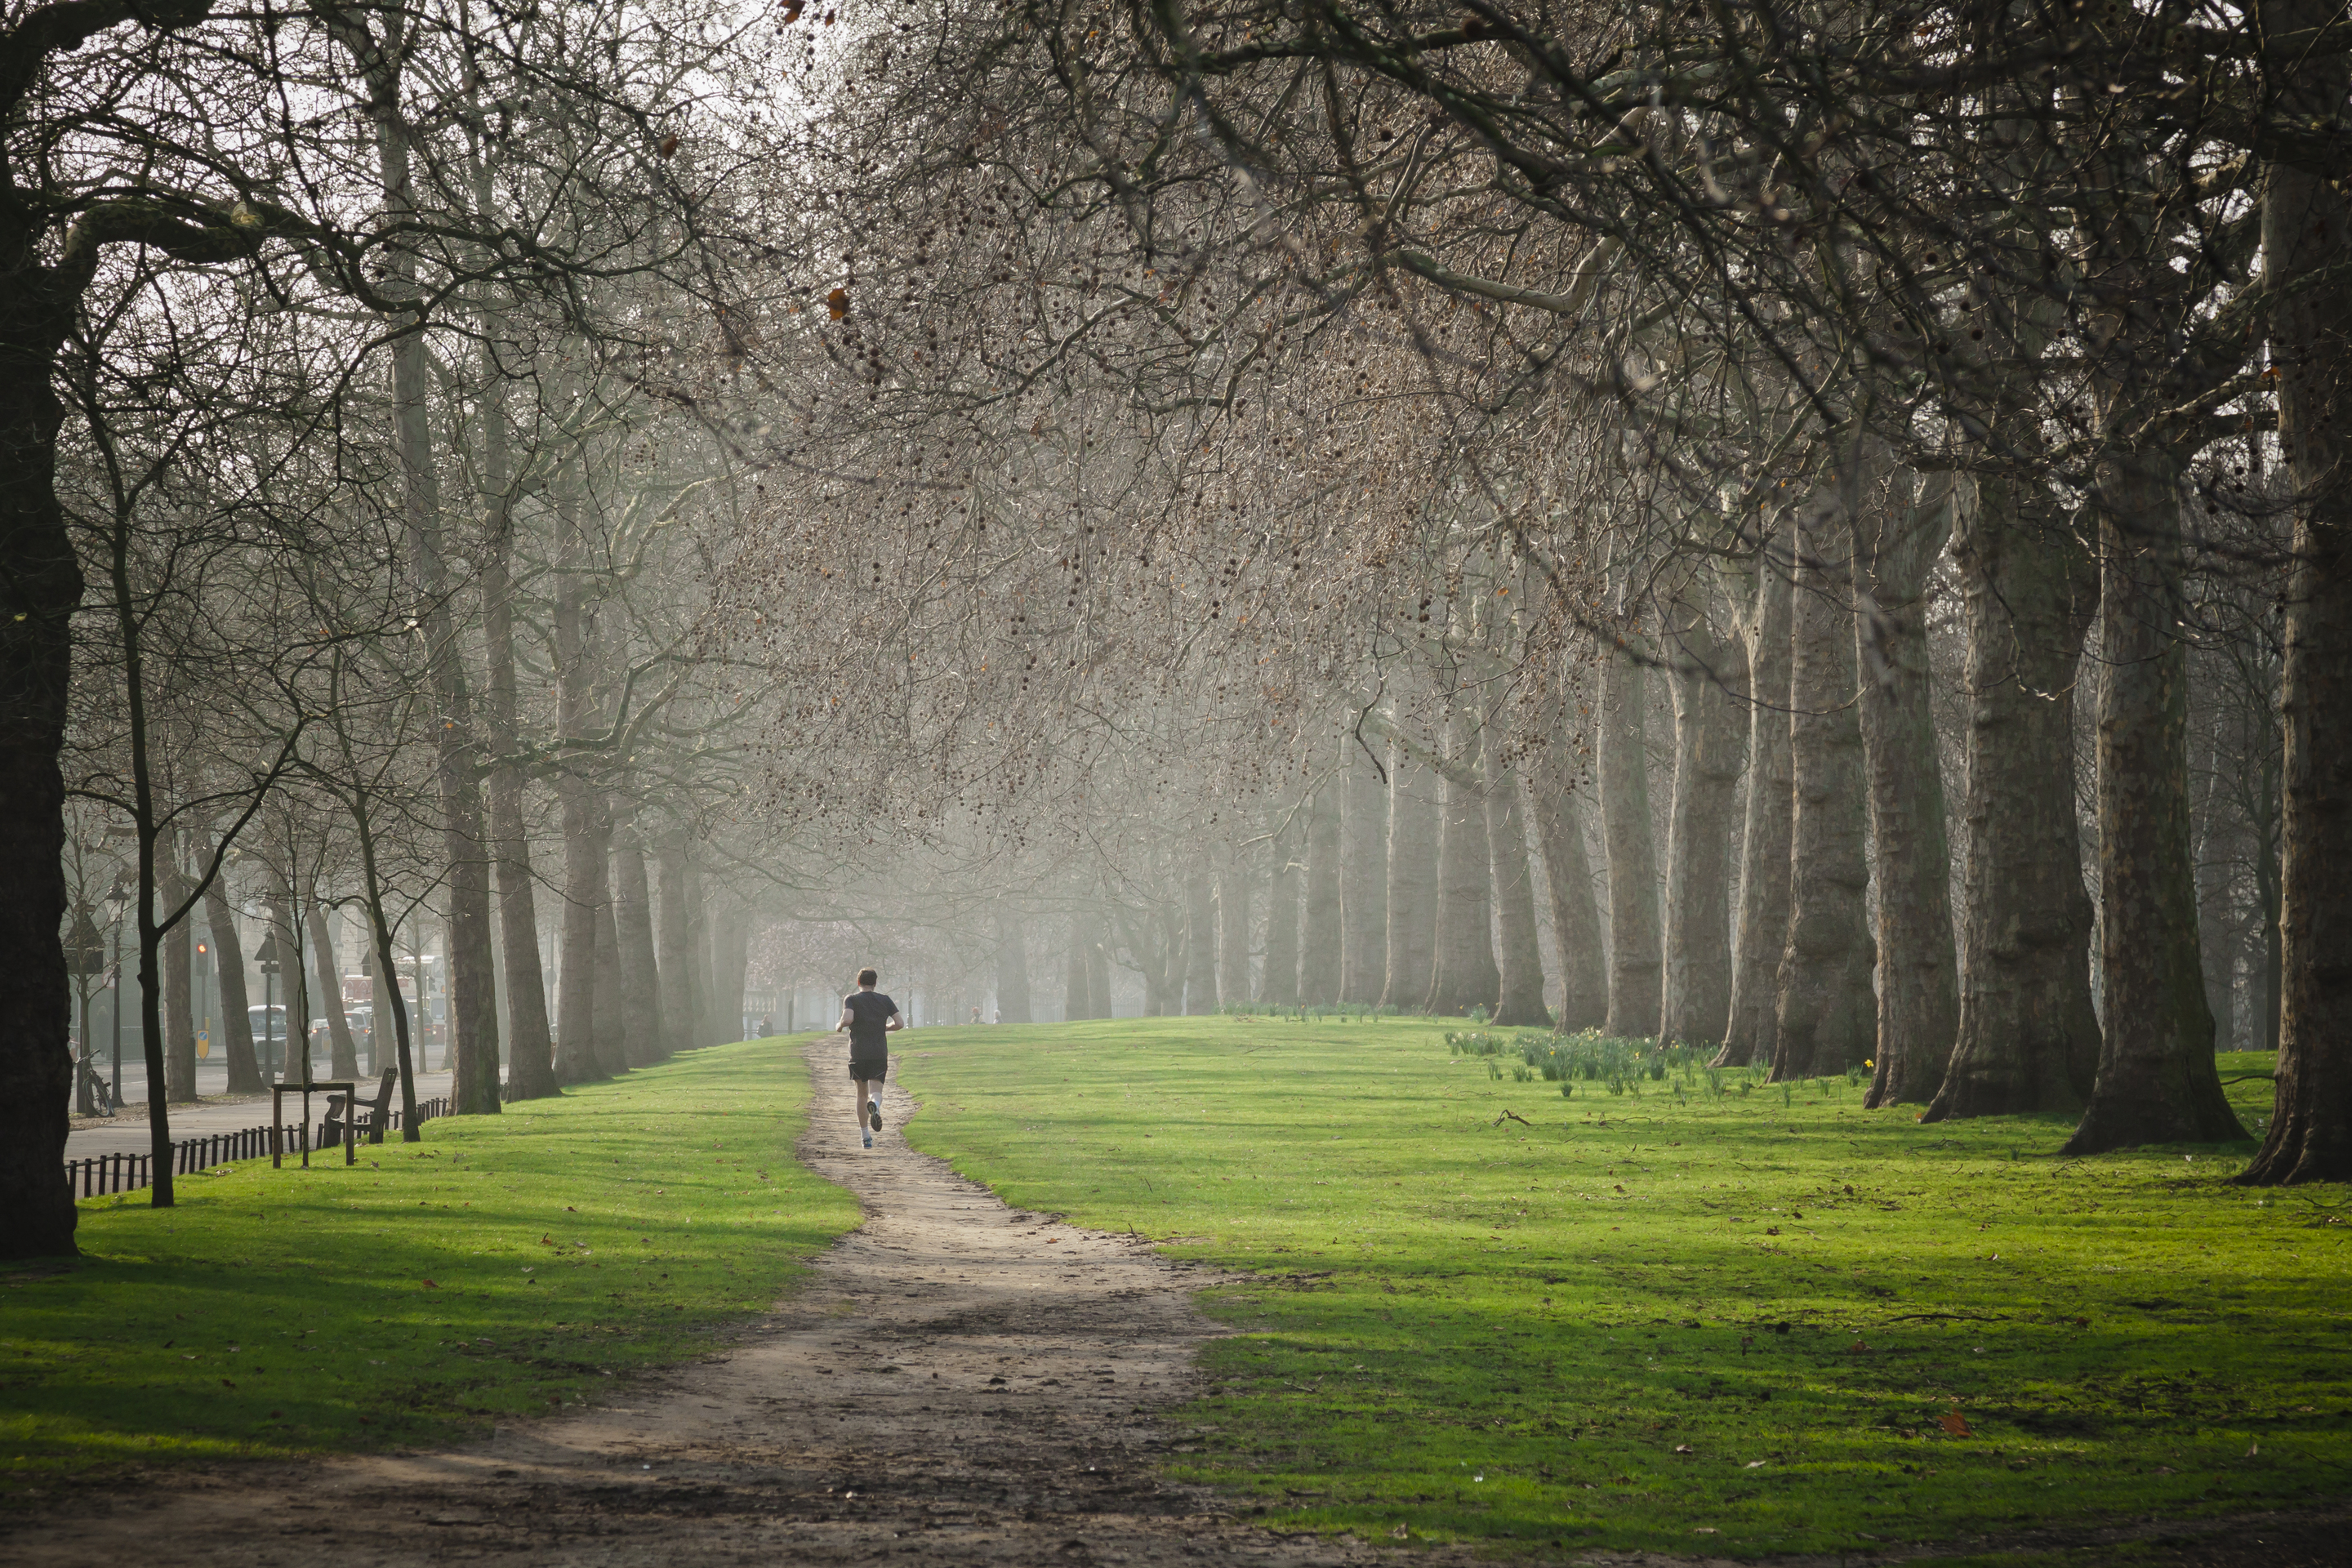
{"x":871,"y":1068}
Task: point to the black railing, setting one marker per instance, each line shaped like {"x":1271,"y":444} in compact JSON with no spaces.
{"x":103,"y":1173}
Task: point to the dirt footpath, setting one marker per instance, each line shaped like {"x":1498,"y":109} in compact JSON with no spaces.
{"x":961,"y":1383}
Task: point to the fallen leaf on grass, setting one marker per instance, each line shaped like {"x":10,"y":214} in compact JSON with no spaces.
{"x":1399,"y":1533}
{"x":1682,"y":1448}
{"x":430,"y":1286}
{"x":1755,"y":1464}
{"x":226,"y":1384}
{"x":1952,"y":1421}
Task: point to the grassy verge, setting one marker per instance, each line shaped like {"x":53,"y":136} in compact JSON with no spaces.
{"x":1735,"y":1322}
{"x":502,"y":1266}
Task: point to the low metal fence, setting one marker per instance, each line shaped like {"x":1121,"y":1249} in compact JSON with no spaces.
{"x":99,"y":1175}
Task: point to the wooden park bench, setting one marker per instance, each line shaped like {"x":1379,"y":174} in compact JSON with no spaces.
{"x":371,"y":1122}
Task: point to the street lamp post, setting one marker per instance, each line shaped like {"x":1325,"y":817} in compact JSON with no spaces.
{"x":118,"y":904}
{"x":267,"y":959}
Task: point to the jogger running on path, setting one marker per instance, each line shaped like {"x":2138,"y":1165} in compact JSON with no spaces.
{"x":869,"y":1016}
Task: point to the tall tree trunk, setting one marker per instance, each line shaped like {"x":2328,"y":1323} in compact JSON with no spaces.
{"x":1567,"y":875}
{"x":179,"y":1000}
{"x":1919,"y":979}
{"x":1826,"y":1018}
{"x":1751,"y":1033}
{"x":1464,"y":974}
{"x":1413,"y":817}
{"x":2307,"y":224}
{"x":2156,"y":1082}
{"x":1319,"y":933}
{"x":531,"y":1048}
{"x":1077,"y":978}
{"x":38,"y":595}
{"x":2028,"y":1040}
{"x":237,"y":1022}
{"x":1708,"y":682}
{"x":1280,"y":985}
{"x":1200,"y":942}
{"x":633,"y":920}
{"x":576,"y":1057}
{"x":1012,"y":968}
{"x":675,"y":946}
{"x":1233,"y":929}
{"x":1634,"y":964}
{"x":611,"y":1031}
{"x":704,"y":1012}
{"x":1363,"y":878}
{"x":343,"y":1053}
{"x":1519,"y":990}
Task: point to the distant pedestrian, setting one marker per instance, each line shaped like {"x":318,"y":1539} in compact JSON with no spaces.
{"x":869,"y":1016}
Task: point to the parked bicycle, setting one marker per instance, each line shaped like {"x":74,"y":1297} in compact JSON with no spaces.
{"x":101,"y":1099}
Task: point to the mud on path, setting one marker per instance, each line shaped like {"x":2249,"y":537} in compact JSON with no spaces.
{"x":961,"y":1383}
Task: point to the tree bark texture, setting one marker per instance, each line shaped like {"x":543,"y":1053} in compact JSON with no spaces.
{"x":1012,"y":968}
{"x":1099,"y":980}
{"x":632,"y":920}
{"x":1707,"y":679}
{"x":342,"y":1052}
{"x":1918,"y":976}
{"x":2307,"y":224}
{"x":531,"y":1039}
{"x":730,"y":954}
{"x":1634,"y":962}
{"x":1200,"y":942}
{"x":584,"y":891}
{"x":1464,"y":974}
{"x":1319,"y":920}
{"x":1567,"y":875}
{"x":1363,"y":879}
{"x":1825,"y":1018}
{"x":1751,"y":1028}
{"x":1281,"y":982}
{"x":611,"y":1028}
{"x":179,"y":994}
{"x":1519,"y":999}
{"x":236,"y":1023}
{"x":1412,"y":823}
{"x":2156,"y":1082}
{"x":703,"y":1003}
{"x":2028,"y":1040}
{"x":674,"y":948}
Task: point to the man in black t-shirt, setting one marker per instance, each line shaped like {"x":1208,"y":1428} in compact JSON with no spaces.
{"x":869,"y":1016}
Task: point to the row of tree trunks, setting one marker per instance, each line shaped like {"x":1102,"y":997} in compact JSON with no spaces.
{"x":1012,"y":969}
{"x":1233,"y":931}
{"x":237,"y":1024}
{"x":1568,"y":878}
{"x":1078,"y":977}
{"x":1519,"y":1002}
{"x":1278,"y":987}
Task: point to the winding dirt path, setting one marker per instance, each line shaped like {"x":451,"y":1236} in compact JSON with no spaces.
{"x":961,"y":1382}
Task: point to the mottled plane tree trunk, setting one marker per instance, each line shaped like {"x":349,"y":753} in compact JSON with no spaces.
{"x":1825,"y":1018}
{"x":633,"y":917}
{"x":1634,"y":962}
{"x":237,"y":1022}
{"x":1708,"y":679}
{"x":2307,"y":224}
{"x":1519,"y":989}
{"x":1568,"y":877}
{"x":2028,"y":1040}
{"x":343,"y":1053}
{"x":1233,"y":929}
{"x":2156,"y":1082}
{"x":1761,"y":936}
{"x":674,"y":946}
{"x":1077,"y":994}
{"x":1895,"y":545}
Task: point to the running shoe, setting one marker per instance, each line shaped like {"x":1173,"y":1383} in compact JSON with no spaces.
{"x":869,"y":1140}
{"x":874,"y":1114}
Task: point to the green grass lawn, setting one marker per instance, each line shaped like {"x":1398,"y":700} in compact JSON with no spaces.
{"x":503,"y":1264}
{"x":1673,"y":1320}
